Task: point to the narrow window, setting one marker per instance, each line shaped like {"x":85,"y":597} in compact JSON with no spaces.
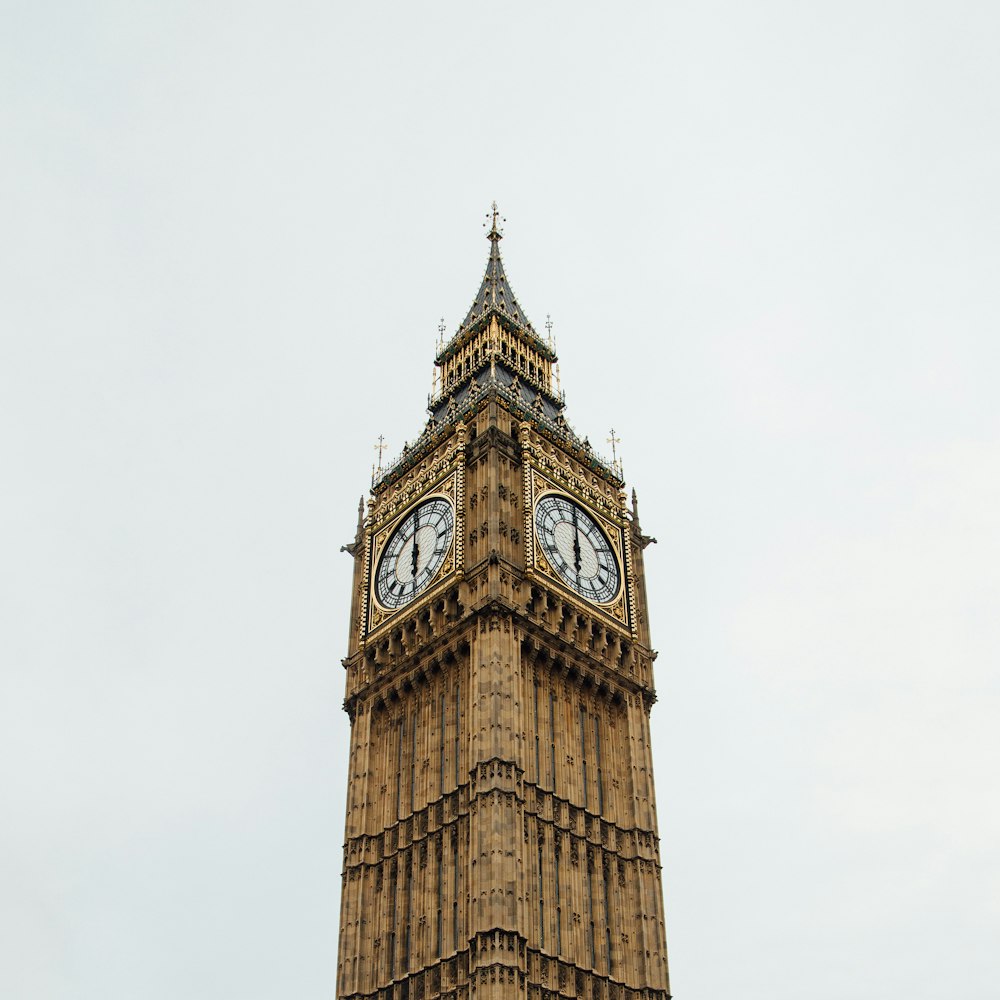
{"x":408,"y":861}
{"x":552,"y":734}
{"x":454,"y":908}
{"x":583,"y":751}
{"x":413,"y":766}
{"x":538,"y":770}
{"x":441,"y":730}
{"x":440,"y":893}
{"x":399,"y":765}
{"x":600,"y":771}
{"x":558,"y":859}
{"x":640,"y":931}
{"x":458,"y":692}
{"x":590,"y":907}
{"x":607,"y":919}
{"x":541,"y":897}
{"x":392,"y":921}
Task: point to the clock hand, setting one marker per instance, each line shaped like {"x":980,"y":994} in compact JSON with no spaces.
{"x":576,"y":544}
{"x":416,"y":548}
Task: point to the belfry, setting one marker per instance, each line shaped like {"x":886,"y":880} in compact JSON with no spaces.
{"x":501,"y":835}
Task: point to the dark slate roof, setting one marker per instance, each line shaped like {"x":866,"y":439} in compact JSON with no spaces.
{"x":495,"y":292}
{"x":519,"y":394}
{"x":490,"y":378}
{"x":523,"y":401}
{"x":495,"y":297}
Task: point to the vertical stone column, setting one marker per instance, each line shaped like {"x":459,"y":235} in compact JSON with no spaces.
{"x":496,"y":812}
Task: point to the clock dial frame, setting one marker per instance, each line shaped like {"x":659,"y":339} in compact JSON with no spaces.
{"x":414,"y":553}
{"x":577,"y":548}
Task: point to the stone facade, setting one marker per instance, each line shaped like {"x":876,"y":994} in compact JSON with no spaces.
{"x":501,"y":832}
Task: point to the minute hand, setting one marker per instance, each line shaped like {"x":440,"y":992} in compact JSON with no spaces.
{"x":576,"y":544}
{"x":416,"y":549}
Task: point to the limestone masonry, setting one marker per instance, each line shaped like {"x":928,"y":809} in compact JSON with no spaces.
{"x":501,"y":824}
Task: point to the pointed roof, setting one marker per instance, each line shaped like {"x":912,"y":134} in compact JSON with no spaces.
{"x":495,"y":293}
{"x":499,"y":369}
{"x":495,"y":298}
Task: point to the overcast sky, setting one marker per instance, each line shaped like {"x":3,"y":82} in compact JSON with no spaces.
{"x":767,"y":235}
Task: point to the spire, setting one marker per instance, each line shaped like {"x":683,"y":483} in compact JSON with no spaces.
{"x":355,"y":547}
{"x":496,"y":355}
{"x":495,"y":234}
{"x":643,"y":540}
{"x":495,"y":293}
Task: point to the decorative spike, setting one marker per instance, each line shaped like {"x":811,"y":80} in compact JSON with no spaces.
{"x":614,"y":441}
{"x":495,"y":293}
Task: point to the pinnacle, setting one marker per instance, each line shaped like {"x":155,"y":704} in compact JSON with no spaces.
{"x":495,"y":293}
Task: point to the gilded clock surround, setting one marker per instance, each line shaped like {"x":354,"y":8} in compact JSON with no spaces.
{"x":501,"y":836}
{"x":419,"y":485}
{"x":617,"y":606}
{"x":380,"y":613}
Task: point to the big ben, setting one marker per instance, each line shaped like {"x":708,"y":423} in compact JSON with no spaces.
{"x":501,"y":832}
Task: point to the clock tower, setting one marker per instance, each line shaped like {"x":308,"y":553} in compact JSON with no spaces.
{"x":501,"y":833}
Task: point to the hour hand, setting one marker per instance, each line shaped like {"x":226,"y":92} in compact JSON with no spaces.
{"x":576,"y":544}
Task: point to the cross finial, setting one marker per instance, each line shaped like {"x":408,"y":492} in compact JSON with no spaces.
{"x":614,"y":441}
{"x":548,"y":324}
{"x":380,"y":448}
{"x":493,"y":216}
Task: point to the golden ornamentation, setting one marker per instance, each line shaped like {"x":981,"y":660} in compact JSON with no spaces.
{"x":445,"y":712}
{"x":620,"y":609}
{"x":381,"y":531}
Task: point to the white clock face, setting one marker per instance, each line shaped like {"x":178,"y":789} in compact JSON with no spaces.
{"x":415,"y":553}
{"x":577,"y":548}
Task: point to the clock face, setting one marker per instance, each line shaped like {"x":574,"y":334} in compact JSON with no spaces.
{"x":577,"y":548}
{"x":415,"y":553}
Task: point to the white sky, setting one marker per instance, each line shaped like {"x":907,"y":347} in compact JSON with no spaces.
{"x":767,"y":236}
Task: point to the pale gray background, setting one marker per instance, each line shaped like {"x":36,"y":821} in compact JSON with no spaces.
{"x":767,"y":236}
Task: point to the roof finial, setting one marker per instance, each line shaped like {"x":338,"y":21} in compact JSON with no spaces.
{"x":380,"y":448}
{"x":494,"y":233}
{"x":614,"y":441}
